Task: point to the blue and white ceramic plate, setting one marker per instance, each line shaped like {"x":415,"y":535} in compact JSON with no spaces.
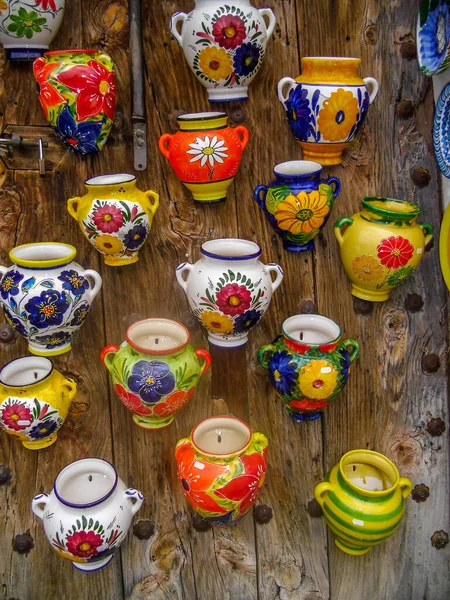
{"x":433,"y":36}
{"x":441,"y":131}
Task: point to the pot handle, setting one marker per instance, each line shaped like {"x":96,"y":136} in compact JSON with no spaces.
{"x":428,"y":230}
{"x":338,"y":226}
{"x":243,"y":135}
{"x":372,"y":86}
{"x":107,"y":350}
{"x":405,"y":486}
{"x":97,"y":281}
{"x":257,"y":197}
{"x":337,"y":182}
{"x":267,"y":12}
{"x":263,"y":359}
{"x":37,"y":500}
{"x":164,"y":143}
{"x":353,"y":344}
{"x":72,"y":388}
{"x":321,"y":489}
{"x":279,"y":274}
{"x":201,"y":353}
{"x":72,"y":206}
{"x":281,"y":85}
{"x":153,"y":206}
{"x":179,"y":274}
{"x":131,"y":493}
{"x":174,"y":20}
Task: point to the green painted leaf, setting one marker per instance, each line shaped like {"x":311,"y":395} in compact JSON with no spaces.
{"x":238,"y":276}
{"x":275,"y":195}
{"x":232,"y":275}
{"x":78,"y":524}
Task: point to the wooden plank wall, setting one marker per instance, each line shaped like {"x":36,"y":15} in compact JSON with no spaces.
{"x":388,"y":400}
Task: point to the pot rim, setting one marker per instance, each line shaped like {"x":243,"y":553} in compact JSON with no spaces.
{"x":23,"y":385}
{"x":240,"y":450}
{"x":306,"y":317}
{"x":165,"y":351}
{"x":375,"y":459}
{"x":202,"y":116}
{"x":124,"y":178}
{"x":36,"y":262}
{"x":367,"y":200}
{"x":315,"y":168}
{"x":328,"y":58}
{"x":76,"y":51}
{"x":256,"y":253}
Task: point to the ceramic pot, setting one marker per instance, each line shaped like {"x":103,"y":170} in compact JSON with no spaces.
{"x":308,"y":364}
{"x":88,"y":513}
{"x":229,"y":289}
{"x":363,"y":500}
{"x":326,"y":105}
{"x":28,"y":28}
{"x":34,"y":400}
{"x":46,"y":295}
{"x":155,"y":371}
{"x":381,"y":246}
{"x":77,"y":92}
{"x":115,"y":217}
{"x":224,"y":44}
{"x":221,"y":468}
{"x":433,"y":36}
{"x":205,"y":153}
{"x":298,"y":202}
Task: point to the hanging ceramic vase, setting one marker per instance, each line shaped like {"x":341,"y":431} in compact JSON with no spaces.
{"x":155,"y":371}
{"x":205,"y":153}
{"x":229,"y":289}
{"x":77,"y":92}
{"x":298,"y":202}
{"x":88,"y":513}
{"x":308,"y":364}
{"x":433,"y":36}
{"x":46,"y":295}
{"x":34,"y":400}
{"x":381,"y":246}
{"x":326,"y":106}
{"x":221,"y":468}
{"x":224,"y":44}
{"x":28,"y":28}
{"x":115,"y":217}
{"x":363,"y":500}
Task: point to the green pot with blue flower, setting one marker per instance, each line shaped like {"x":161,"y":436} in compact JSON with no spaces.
{"x":298,"y":202}
{"x":308,"y":364}
{"x":46,"y":296}
{"x":155,"y":371}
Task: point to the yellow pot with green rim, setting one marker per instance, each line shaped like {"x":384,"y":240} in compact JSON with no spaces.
{"x":363,"y":500}
{"x":381,"y":246}
{"x":115,"y":216}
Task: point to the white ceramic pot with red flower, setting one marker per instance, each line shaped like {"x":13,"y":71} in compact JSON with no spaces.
{"x":77,"y":92}
{"x":221,"y":468}
{"x":381,"y":246}
{"x":88,"y":513}
{"x":155,"y":371}
{"x":224,"y":44}
{"x":46,"y":295}
{"x":115,"y":216}
{"x":229,"y":289}
{"x":28,"y":28}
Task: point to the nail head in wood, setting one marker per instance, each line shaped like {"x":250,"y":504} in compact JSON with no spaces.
{"x":262,"y":514}
{"x":314,"y":509}
{"x":5,"y":474}
{"x":408,"y":50}
{"x":439,"y":539}
{"x":362,"y":307}
{"x":7,"y":334}
{"x":144,"y":530}
{"x":413,"y":303}
{"x":435,"y":427}
{"x":405,"y":109}
{"x":307,"y":307}
{"x":420,"y":492}
{"x":421,"y":176}
{"x":200,"y":524}
{"x":23,"y":543}
{"x":238,"y":115}
{"x":190,"y":321}
{"x":430,"y":363}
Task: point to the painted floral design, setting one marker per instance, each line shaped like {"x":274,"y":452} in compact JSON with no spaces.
{"x":310,"y":406}
{"x":135,"y":237}
{"x":216,"y":322}
{"x":26,"y":23}
{"x":246,"y":59}
{"x":10,"y":284}
{"x":208,"y":151}
{"x":433,"y":37}
{"x":368,"y":268}
{"x":16,"y":416}
{"x":84,"y":543}
{"x":338,"y":115}
{"x":43,"y":430}
{"x":79,"y":315}
{"x":229,"y":31}
{"x":395,"y":252}
{"x":172,"y":404}
{"x":233,"y":299}
{"x":47,"y":309}
{"x":245,"y":322}
{"x":74,"y":282}
{"x":48,"y":95}
{"x":108,"y":244}
{"x":108,"y":218}
{"x":54,"y":340}
{"x":131,"y":401}
{"x":299,"y":112}
{"x":215,"y":63}
{"x":318,"y":379}
{"x":151,"y":380}
{"x":282,"y":372}
{"x":47,"y":4}
{"x":3,"y":6}
{"x":14,"y":322}
{"x":81,"y":137}
{"x":400,"y":276}
{"x":345,"y":363}
{"x":303,"y":213}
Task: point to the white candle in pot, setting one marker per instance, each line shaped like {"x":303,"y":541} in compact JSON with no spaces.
{"x":367,"y":477}
{"x":85,"y":481}
{"x":311,"y":329}
{"x":221,"y":435}
{"x":157,"y":335}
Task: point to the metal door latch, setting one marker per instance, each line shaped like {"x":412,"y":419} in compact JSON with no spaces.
{"x":10,"y":143}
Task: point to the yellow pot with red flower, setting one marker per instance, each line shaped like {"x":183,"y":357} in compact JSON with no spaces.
{"x":115,"y":216}
{"x":381,"y":246}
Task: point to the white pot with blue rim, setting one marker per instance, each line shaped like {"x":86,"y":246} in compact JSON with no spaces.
{"x":433,"y":36}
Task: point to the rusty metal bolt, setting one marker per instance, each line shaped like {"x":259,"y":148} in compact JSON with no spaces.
{"x":238,"y":115}
{"x":413,"y":303}
{"x":408,"y":50}
{"x":7,"y":334}
{"x":430,"y":363}
{"x":421,"y":176}
{"x":5,"y":474}
{"x":262,"y":514}
{"x":439,"y":539}
{"x":200,"y":524}
{"x":435,"y":427}
{"x":362,"y":307}
{"x":420,"y":492}
{"x":307,"y":307}
{"x":23,"y":543}
{"x":172,"y":119}
{"x":190,"y":321}
{"x":314,"y":509}
{"x":405,"y":109}
{"x":144,"y":530}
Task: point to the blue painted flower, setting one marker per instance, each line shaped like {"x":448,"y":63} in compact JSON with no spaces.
{"x":246,"y":321}
{"x":10,"y":284}
{"x":434,"y":38}
{"x":74,"y":282}
{"x":14,"y":322}
{"x":135,"y":237}
{"x":282,"y":372}
{"x":79,"y":316}
{"x":43,"y":429}
{"x":345,"y":363}
{"x":298,"y":113}
{"x":151,"y":380}
{"x":246,"y":58}
{"x":82,"y":137}
{"x":47,"y":309}
{"x":54,"y":339}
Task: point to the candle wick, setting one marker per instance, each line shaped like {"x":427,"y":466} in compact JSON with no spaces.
{"x":156,"y":340}
{"x":219,"y":436}
{"x":90,"y":477}
{"x":301,"y":335}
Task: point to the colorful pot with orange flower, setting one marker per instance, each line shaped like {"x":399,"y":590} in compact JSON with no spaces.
{"x":28,"y":28}
{"x":88,"y":513}
{"x":308,"y":364}
{"x":298,"y":203}
{"x":381,"y":246}
{"x":205,"y":153}
{"x":326,"y":106}
{"x":229,"y":289}
{"x":155,"y":371}
{"x":77,"y":92}
{"x":221,"y":468}
{"x":115,"y":216}
{"x":224,"y":44}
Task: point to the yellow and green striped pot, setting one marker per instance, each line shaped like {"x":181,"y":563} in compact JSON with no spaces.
{"x":363,"y":499}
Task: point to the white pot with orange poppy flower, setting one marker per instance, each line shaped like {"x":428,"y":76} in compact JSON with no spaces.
{"x":298,"y":202}
{"x":28,"y":28}
{"x":224,"y":44}
{"x":381,"y":246}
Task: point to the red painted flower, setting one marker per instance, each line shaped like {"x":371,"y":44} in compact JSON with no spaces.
{"x":229,"y":31}
{"x":307,"y":405}
{"x":172,"y":404}
{"x":233,"y":299}
{"x":108,"y":218}
{"x":47,"y":3}
{"x":395,"y":252}
{"x":132,"y":402}
{"x":16,"y":416}
{"x":196,"y":477}
{"x":47,"y":94}
{"x":95,"y":86}
{"x":83,"y":543}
